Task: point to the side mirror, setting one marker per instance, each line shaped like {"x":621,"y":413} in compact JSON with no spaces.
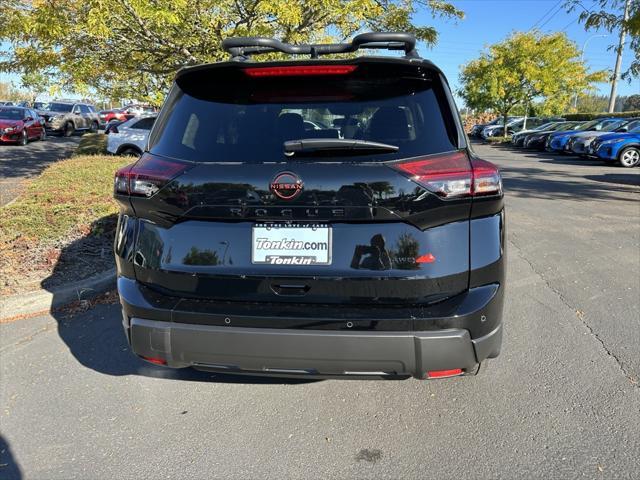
{"x":28,"y":119}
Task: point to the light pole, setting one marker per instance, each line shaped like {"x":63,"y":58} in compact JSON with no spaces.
{"x":616,"y":71}
{"x":584,"y":45}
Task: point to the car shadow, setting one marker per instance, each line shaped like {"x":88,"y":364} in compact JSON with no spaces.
{"x":545,"y":184}
{"x":32,"y":159}
{"x":573,"y":161}
{"x":9,"y":468}
{"x":91,"y":328}
{"x":617,"y":178}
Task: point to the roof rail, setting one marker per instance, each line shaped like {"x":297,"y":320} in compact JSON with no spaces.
{"x":241,"y":48}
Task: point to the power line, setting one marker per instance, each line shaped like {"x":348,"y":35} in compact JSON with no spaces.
{"x":551,"y":17}
{"x":548,"y":12}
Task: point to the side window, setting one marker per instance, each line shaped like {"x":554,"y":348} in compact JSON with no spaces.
{"x":91,"y":109}
{"x":144,"y":124}
{"x":76,"y":109}
{"x":84,"y":109}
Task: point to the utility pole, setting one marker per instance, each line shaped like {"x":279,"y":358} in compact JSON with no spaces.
{"x":616,"y":71}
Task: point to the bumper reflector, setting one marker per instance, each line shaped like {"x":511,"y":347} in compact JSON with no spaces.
{"x":444,"y":373}
{"x":157,"y":361}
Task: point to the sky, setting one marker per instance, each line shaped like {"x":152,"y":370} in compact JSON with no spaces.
{"x":490,"y":21}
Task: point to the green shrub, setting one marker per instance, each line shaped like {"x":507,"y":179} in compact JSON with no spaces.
{"x":592,"y":116}
{"x":92,"y":144}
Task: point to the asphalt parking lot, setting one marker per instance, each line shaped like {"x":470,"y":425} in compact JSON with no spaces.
{"x":562,"y":401}
{"x":18,"y":163}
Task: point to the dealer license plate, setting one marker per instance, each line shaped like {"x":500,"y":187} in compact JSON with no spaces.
{"x":291,"y":244}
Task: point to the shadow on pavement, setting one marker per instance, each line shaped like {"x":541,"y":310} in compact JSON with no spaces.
{"x":92,"y":330}
{"x":617,"y":178}
{"x":9,"y":468}
{"x":18,"y":161}
{"x":544,"y":184}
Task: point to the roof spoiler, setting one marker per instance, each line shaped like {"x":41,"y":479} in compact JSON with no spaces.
{"x":241,"y":48}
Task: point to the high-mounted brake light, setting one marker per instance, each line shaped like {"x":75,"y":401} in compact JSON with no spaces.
{"x":299,"y":70}
{"x":453,"y":175}
{"x":147,"y":176}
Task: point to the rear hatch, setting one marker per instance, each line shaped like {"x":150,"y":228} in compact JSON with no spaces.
{"x":308,"y":182}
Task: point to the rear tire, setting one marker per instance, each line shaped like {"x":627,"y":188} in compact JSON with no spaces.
{"x":629,"y":157}
{"x":43,"y":135}
{"x":68,"y":130}
{"x":130,"y":152}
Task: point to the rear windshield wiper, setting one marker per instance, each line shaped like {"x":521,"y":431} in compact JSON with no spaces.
{"x":328,"y":146}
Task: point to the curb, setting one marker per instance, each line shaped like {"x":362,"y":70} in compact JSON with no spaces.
{"x":44,"y":300}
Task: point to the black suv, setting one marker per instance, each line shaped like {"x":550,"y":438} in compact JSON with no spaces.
{"x":314,"y":218}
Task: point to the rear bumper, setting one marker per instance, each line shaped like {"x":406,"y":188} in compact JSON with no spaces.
{"x":334,"y":341}
{"x":310,"y":353}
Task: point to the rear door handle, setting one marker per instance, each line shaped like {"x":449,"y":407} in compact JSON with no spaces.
{"x":290,"y":290}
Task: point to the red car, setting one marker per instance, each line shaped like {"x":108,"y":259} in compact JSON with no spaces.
{"x":19,"y":125}
{"x":114,"y":114}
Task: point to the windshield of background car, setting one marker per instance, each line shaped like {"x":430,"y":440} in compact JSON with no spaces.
{"x":58,"y":107}
{"x":633,"y":127}
{"x":11,"y":113}
{"x":224,"y":115}
{"x":590,"y":124}
{"x":610,"y":127}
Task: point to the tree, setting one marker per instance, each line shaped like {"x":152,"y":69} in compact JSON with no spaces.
{"x":8,"y":92}
{"x":36,"y":83}
{"x":591,"y":103}
{"x":609,"y":16}
{"x":527,"y":69}
{"x":132,"y":48}
{"x":632,"y":103}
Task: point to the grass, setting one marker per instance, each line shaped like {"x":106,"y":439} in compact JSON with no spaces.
{"x":68,"y":195}
{"x":70,"y":200}
{"x":506,"y":139}
{"x":92,"y":144}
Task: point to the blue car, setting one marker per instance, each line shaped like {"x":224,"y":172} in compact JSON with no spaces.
{"x":558,"y":141}
{"x":623,"y":148}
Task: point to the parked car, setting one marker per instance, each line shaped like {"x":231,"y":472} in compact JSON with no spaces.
{"x":515,"y":126}
{"x":517,"y":139}
{"x":19,"y":125}
{"x":66,"y":117}
{"x":116,"y":114}
{"x":557,"y":141}
{"x":245,"y":247}
{"x":620,"y":147}
{"x":130,"y":137}
{"x":6,"y":103}
{"x":476,"y":130}
{"x":578,"y":144}
{"x":537,"y":140}
{"x":137,"y":109}
{"x":112,"y":126}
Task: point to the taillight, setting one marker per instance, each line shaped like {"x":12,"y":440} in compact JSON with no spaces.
{"x":300,"y":70}
{"x":486,"y":178}
{"x":147,"y":176}
{"x":453,"y":175}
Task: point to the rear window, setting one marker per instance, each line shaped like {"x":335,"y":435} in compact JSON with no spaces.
{"x":222,"y":115}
